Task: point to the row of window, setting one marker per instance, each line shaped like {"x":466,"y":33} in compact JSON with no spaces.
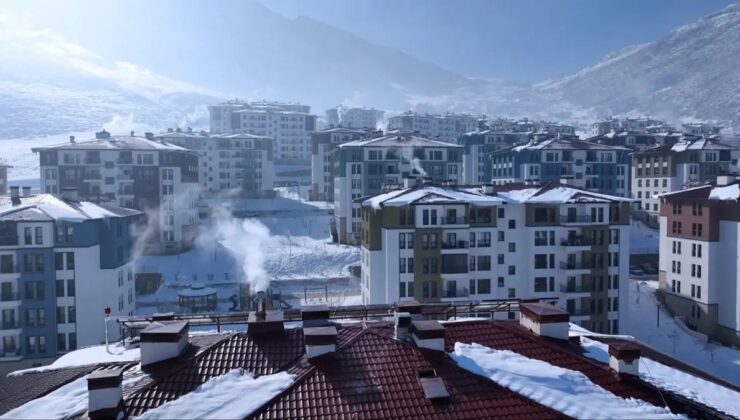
{"x":696,"y":249}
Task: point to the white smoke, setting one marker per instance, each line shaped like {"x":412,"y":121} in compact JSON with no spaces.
{"x":408,"y":155}
{"x":417,"y":165}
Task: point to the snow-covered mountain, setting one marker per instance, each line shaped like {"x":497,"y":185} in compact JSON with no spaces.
{"x":693,"y":72}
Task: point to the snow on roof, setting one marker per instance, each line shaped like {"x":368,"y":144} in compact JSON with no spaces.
{"x":395,"y":140}
{"x":567,"y":391}
{"x":558,"y":194}
{"x":727,"y":192}
{"x":698,"y":144}
{"x":116,"y":143}
{"x":430,"y":194}
{"x":47,"y":206}
{"x":93,"y":355}
{"x":673,"y":380}
{"x":236,"y":394}
{"x":561,"y":144}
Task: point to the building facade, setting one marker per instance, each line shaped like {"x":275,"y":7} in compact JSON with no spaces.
{"x":442,"y":127}
{"x":323,"y":144}
{"x":434,"y":243}
{"x":156,"y":177}
{"x":62,"y":262}
{"x":477,"y":145}
{"x":237,"y":164}
{"x":689,"y":162}
{"x":618,"y":125}
{"x":289,"y":124}
{"x":354,"y":117}
{"x":364,"y":167}
{"x":699,"y":274}
{"x":4,"y":178}
{"x":595,"y":167}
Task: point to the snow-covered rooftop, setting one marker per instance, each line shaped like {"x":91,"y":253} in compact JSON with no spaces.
{"x":43,"y":207}
{"x":560,"y":144}
{"x":395,"y":140}
{"x":430,"y":194}
{"x":116,"y":143}
{"x":559,"y":194}
{"x":727,"y":192}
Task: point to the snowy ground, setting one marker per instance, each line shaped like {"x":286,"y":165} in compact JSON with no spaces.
{"x":640,"y":321}
{"x":643,"y":240}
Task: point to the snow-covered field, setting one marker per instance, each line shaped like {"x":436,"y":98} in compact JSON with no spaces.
{"x":640,"y":321}
{"x":643,"y":240}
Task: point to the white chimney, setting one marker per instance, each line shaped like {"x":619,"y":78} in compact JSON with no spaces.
{"x":70,"y":194}
{"x":544,"y":319}
{"x":315,"y":316}
{"x":26,"y":191}
{"x":624,"y":358}
{"x":402,"y":324}
{"x":487,"y":188}
{"x":320,"y":341}
{"x":72,"y":139}
{"x":163,"y":340}
{"x":428,"y":334}
{"x":14,"y":192}
{"x":104,"y":394}
{"x":724,"y":180}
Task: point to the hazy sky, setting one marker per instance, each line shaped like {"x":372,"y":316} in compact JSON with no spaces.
{"x":538,"y":38}
{"x":517,"y":40}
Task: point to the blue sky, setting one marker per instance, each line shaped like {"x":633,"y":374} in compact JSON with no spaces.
{"x":522,"y":40}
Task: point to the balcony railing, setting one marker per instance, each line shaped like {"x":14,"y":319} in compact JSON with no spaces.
{"x":455,"y":293}
{"x":453,"y":269}
{"x":455,"y":245}
{"x":453,"y":221}
{"x":579,"y":218}
{"x":580,"y":312}
{"x":574,"y":266}
{"x":573,"y":288}
{"x":9,"y":297}
{"x":9,"y":325}
{"x":577,"y":241}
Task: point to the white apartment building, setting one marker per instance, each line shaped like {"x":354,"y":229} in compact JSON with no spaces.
{"x":440,"y":243}
{"x":237,"y":164}
{"x":617,"y":125}
{"x":443,"y":127}
{"x":364,"y":167}
{"x":699,"y":274}
{"x":4,"y":177}
{"x":62,"y":262}
{"x":354,"y":117}
{"x":156,"y":177}
{"x":289,"y":124}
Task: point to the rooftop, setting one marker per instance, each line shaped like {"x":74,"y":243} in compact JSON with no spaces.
{"x":559,"y":144}
{"x":47,"y":207}
{"x":115,"y":143}
{"x":399,"y":140}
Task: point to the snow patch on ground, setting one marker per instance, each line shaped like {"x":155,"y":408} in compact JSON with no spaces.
{"x":643,"y":240}
{"x":88,"y":356}
{"x":234,"y":395}
{"x":674,"y":380}
{"x":569,"y":392}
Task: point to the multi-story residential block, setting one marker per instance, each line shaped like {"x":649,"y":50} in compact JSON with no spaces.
{"x":62,"y":262}
{"x":689,"y":162}
{"x":289,"y":124}
{"x":526,"y":125}
{"x":156,"y":177}
{"x":439,"y":243}
{"x":442,"y":127}
{"x":701,"y":129}
{"x":618,"y":125}
{"x":239,"y":164}
{"x":364,"y":167}
{"x":699,"y":273}
{"x":595,"y":167}
{"x":4,"y":177}
{"x":323,"y":144}
{"x":478,"y":144}
{"x":354,"y":117}
{"x":636,"y":140}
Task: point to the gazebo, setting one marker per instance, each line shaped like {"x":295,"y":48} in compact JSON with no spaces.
{"x":197,"y":298}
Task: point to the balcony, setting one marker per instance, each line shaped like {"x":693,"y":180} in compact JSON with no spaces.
{"x":576,"y":219}
{"x":453,"y":221}
{"x":575,"y":288}
{"x":455,"y":245}
{"x":10,"y":297}
{"x":576,"y":241}
{"x":574,"y":266}
{"x":579,"y":313}
{"x":455,"y":293}
{"x":454,"y":269}
{"x":10,"y":325}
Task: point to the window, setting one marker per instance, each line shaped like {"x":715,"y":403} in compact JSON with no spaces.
{"x":501,"y":258}
{"x":425,"y":241}
{"x":676,"y":228}
{"x":472,"y":263}
{"x":27,"y":236}
{"x":70,"y":260}
{"x":38,"y":235}
{"x":696,"y":250}
{"x":500,"y":282}
{"x":71,"y":314}
{"x":61,"y":315}
{"x":501,"y":236}
{"x":512,"y":224}
{"x":676,"y":247}
{"x":70,"y":287}
{"x":402,"y":265}
{"x":484,"y":286}
{"x":59,"y":261}
{"x":60,"y":288}
{"x":501,"y":212}
{"x":540,"y":284}
{"x":410,"y":267}
{"x":61,"y":342}
{"x":512,"y":247}
{"x":540,"y":261}
{"x":512,"y":292}
{"x":429,"y":289}
{"x":6,"y":264}
{"x":484,"y":262}
{"x":512,"y":269}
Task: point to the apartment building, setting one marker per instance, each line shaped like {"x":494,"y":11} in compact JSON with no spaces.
{"x":354,"y":117}
{"x":618,"y":125}
{"x":526,"y":125}
{"x":4,"y":177}
{"x":323,"y":144}
{"x":237,"y":164}
{"x":289,"y":124}
{"x":436,"y":243}
{"x":364,"y":167}
{"x":443,"y":127}
{"x":158,"y":178}
{"x":701,"y":129}
{"x":689,"y":162}
{"x":637,"y":140}
{"x":699,"y":275}
{"x":62,"y":262}
{"x":478,"y":144}
{"x":595,"y":167}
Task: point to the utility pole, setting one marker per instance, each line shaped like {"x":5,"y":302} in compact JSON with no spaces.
{"x":107,"y":318}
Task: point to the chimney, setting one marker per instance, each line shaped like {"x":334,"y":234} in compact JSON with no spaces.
{"x":320,"y":341}
{"x":487,"y":189}
{"x":104,"y":394}
{"x":724,"y":180}
{"x":132,"y":133}
{"x":544,"y":319}
{"x":102,"y":135}
{"x":315,"y":316}
{"x":14,"y":195}
{"x":163,"y":340}
{"x":70,"y":193}
{"x":263,"y":321}
{"x":428,"y":334}
{"x":624,"y":358}
{"x":169,"y":130}
{"x":402,"y":323}
{"x":72,"y":139}
{"x":149,"y":135}
{"x":409,"y":182}
{"x":26,"y":191}
{"x":190,"y":130}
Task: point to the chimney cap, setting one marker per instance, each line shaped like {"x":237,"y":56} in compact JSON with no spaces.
{"x":320,"y":335}
{"x":106,"y":378}
{"x":624,"y":350}
{"x":410,"y":306}
{"x":426,"y":329}
{"x":543,"y":312}
{"x":164,"y":331}
{"x":271,"y":323}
